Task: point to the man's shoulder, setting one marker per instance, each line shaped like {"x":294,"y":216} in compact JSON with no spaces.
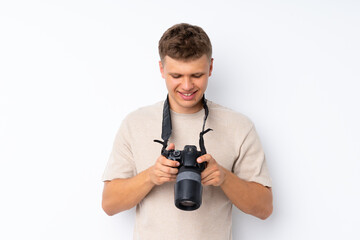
{"x":228,"y":115}
{"x":145,"y":113}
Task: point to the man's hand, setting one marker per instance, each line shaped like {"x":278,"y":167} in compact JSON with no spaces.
{"x":214,"y":174}
{"x":164,"y":170}
{"x":250,"y":197}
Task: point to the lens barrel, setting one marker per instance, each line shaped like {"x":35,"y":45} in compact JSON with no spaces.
{"x":188,"y":189}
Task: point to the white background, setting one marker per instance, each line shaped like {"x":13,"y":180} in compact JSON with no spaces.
{"x":70,"y":71}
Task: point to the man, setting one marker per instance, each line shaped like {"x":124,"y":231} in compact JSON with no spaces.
{"x":236,"y":172}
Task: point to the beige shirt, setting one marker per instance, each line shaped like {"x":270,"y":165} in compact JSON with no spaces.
{"x":234,"y":144}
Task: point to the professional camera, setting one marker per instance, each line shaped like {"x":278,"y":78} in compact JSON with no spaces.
{"x":188,"y":188}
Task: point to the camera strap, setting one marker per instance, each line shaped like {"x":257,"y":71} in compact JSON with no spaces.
{"x":167,"y":127}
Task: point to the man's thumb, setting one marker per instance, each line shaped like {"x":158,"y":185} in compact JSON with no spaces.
{"x":171,"y":146}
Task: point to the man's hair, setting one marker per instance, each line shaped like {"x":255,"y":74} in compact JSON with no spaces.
{"x":185,"y":42}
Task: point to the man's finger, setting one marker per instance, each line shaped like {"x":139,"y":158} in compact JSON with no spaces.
{"x":165,"y":175}
{"x":209,"y":171}
{"x":208,"y":180}
{"x":169,"y":170}
{"x":168,"y":179}
{"x":204,"y":158}
{"x":169,"y":163}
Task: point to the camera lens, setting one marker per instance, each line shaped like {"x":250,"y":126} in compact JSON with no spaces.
{"x":187,"y":203}
{"x":188,"y":188}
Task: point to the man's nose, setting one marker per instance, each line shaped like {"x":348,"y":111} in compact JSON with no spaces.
{"x":187,"y":83}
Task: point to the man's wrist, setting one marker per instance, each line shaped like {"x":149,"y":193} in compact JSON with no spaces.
{"x":147,"y":177}
{"x":226,"y":176}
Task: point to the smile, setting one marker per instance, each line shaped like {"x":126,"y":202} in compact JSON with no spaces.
{"x":188,"y":96}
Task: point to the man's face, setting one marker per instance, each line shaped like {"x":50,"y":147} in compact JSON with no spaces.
{"x":186,"y":82}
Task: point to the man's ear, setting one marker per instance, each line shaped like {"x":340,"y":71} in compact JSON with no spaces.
{"x":161,"y":69}
{"x":211,"y":66}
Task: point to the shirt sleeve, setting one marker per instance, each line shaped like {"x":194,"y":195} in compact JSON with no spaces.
{"x":251,"y":165}
{"x":120,"y":163}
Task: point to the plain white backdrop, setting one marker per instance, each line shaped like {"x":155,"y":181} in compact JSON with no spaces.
{"x":70,"y":71}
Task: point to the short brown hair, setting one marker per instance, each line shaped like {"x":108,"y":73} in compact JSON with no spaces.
{"x":185,"y":42}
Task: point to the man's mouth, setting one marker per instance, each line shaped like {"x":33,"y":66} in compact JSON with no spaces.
{"x":187,"y":96}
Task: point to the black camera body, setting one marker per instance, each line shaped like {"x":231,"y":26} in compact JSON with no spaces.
{"x":188,"y":187}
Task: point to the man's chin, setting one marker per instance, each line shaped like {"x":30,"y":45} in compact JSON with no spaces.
{"x":185,"y":106}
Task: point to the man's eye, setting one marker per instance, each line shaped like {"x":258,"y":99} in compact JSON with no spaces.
{"x":176,"y":76}
{"x":198,"y":76}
